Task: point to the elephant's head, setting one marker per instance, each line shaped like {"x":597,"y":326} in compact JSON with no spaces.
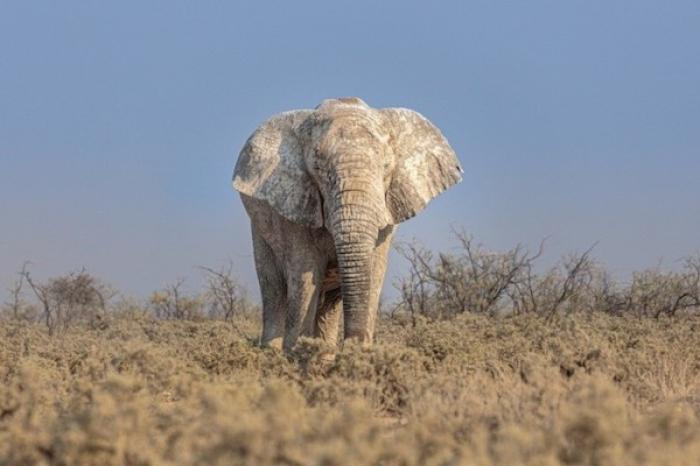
{"x":353,"y":170}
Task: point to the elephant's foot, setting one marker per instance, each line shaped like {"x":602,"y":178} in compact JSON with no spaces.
{"x":275,"y":342}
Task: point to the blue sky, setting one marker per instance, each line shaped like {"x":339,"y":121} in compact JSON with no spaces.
{"x":120,"y":123}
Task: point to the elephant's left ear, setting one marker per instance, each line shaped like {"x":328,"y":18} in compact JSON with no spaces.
{"x":426,"y":165}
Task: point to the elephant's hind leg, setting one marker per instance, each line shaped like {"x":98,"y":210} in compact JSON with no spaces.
{"x":328,"y":317}
{"x":273,"y":288}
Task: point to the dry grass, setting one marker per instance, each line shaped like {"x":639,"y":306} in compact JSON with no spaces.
{"x":583,"y":389}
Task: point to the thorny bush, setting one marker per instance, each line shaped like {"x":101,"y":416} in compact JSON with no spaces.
{"x":477,"y":280}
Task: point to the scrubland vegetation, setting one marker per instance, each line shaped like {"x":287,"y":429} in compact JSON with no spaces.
{"x":482,"y":361}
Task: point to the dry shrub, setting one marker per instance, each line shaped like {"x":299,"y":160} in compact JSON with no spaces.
{"x":587,"y":388}
{"x":225,"y":296}
{"x":474,"y":279}
{"x":62,"y":301}
{"x":654,"y":292}
{"x":172,"y":303}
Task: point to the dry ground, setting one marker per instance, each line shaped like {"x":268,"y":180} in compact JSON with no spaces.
{"x":586,"y":389}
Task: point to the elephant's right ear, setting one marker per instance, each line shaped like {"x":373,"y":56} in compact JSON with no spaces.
{"x":271,"y":168}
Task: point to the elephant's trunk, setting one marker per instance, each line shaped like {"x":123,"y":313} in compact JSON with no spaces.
{"x":355,"y":229}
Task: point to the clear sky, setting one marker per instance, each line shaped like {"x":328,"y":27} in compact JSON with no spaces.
{"x":120,"y":123}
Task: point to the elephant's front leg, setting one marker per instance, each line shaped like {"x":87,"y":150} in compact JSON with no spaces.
{"x":379,"y":262}
{"x":273,"y":288}
{"x":303,"y":287}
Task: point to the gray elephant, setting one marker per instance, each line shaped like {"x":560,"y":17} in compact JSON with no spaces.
{"x":324,"y":189}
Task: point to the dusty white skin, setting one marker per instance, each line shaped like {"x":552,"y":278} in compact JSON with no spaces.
{"x":324,"y":189}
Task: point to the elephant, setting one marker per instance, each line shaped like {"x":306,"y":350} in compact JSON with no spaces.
{"x":325,"y":190}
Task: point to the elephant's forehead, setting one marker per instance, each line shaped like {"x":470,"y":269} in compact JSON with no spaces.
{"x":345,"y":139}
{"x":351,"y":125}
